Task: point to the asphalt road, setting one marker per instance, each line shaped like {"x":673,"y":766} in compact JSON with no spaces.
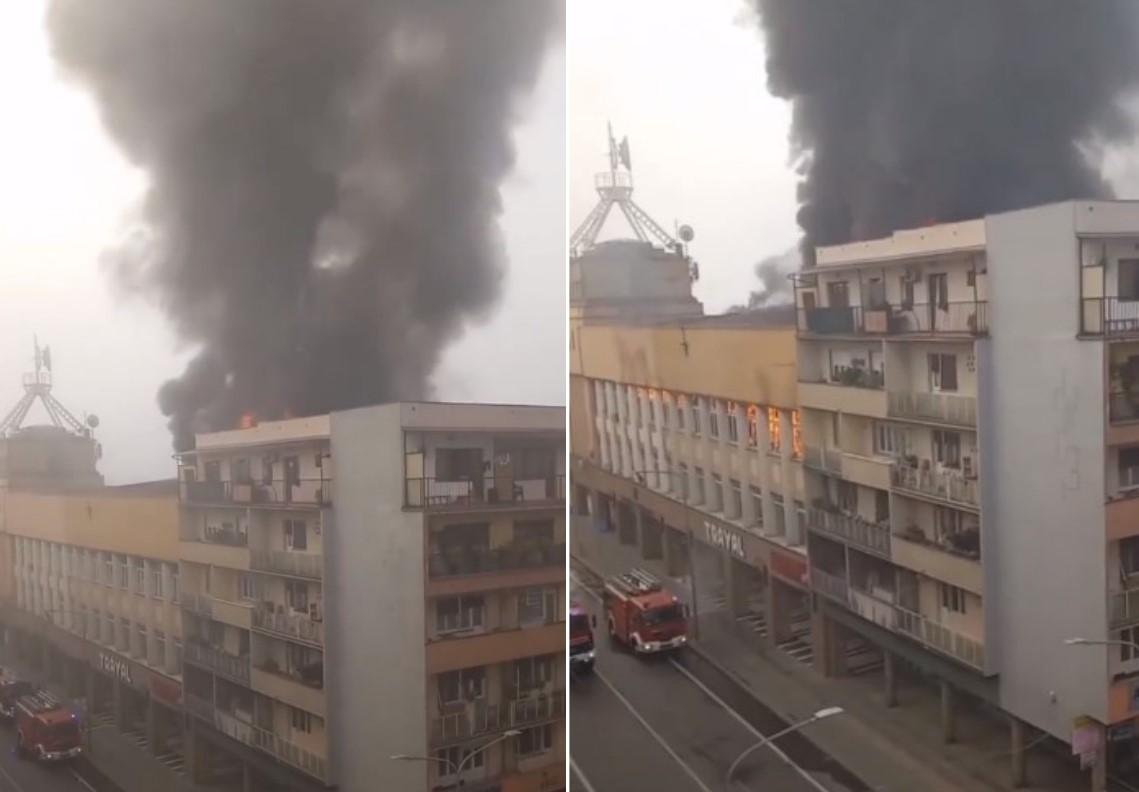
{"x":22,"y":775}
{"x":675,"y":724}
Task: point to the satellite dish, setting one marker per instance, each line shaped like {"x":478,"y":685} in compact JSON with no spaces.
{"x":93,"y":421}
{"x":686,"y":233}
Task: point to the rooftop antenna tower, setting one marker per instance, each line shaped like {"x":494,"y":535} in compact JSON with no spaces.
{"x":37,"y":385}
{"x":615,"y":188}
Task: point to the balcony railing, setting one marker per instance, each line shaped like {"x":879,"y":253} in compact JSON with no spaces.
{"x":444,"y":562}
{"x":289,"y":752}
{"x":855,"y":530}
{"x":217,"y":660}
{"x":492,"y":492}
{"x":1124,"y":607}
{"x":1124,"y":407}
{"x":1110,"y":316}
{"x":832,"y":586}
{"x":230,"y":537}
{"x":481,"y":718}
{"x":968,"y":317}
{"x":292,"y":625}
{"x":828,"y":460}
{"x":308,"y":565}
{"x":279,"y":492}
{"x":200,"y":604}
{"x":937,"y":407}
{"x":941,"y":484}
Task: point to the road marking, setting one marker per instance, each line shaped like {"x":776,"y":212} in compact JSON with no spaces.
{"x":581,"y":776}
{"x":708,"y":692}
{"x":746,"y":724}
{"x":668,"y":749}
{"x":83,"y":781}
{"x":11,"y":780}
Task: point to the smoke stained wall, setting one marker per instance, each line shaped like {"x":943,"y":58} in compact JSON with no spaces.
{"x":906,"y":113}
{"x":323,"y":183}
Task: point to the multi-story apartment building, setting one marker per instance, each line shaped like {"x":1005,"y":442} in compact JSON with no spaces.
{"x":971,"y":453}
{"x":92,"y":597}
{"x":375,"y":598}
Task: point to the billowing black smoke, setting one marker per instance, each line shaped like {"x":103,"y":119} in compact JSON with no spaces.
{"x":323,"y":179}
{"x":773,"y":274}
{"x":910,"y":111}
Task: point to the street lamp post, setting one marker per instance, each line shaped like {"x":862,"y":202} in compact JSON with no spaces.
{"x":826,"y":712}
{"x":639,"y":476}
{"x":457,"y":769}
{"x":1105,"y":642}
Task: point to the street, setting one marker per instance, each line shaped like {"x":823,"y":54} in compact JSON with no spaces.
{"x":21,"y":775}
{"x":676,"y":724}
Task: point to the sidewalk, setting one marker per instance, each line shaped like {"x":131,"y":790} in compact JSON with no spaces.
{"x":891,"y":749}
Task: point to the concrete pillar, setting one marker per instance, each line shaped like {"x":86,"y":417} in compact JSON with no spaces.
{"x":195,"y":753}
{"x":731,"y":585}
{"x":889,"y":679}
{"x":948,"y":713}
{"x":89,"y":689}
{"x":778,"y":615}
{"x":1016,"y":752}
{"x":1099,"y":769}
{"x":153,"y":731}
{"x":667,"y":549}
{"x":119,"y":705}
{"x":247,"y":783}
{"x":827,"y":640}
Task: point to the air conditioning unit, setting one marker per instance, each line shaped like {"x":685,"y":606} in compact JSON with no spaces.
{"x":314,"y":612}
{"x":967,"y":468}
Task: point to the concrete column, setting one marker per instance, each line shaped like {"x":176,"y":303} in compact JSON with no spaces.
{"x":732,"y":585}
{"x":1099,"y":769}
{"x":889,"y":679}
{"x":778,"y":621}
{"x":89,"y":691}
{"x":195,"y":754}
{"x":1016,"y":752}
{"x":119,"y":705}
{"x":153,"y":731}
{"x":639,"y":528}
{"x":787,"y":474}
{"x":247,"y":783}
{"x":948,"y":713}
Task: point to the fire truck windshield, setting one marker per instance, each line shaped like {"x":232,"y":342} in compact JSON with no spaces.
{"x":661,"y":615}
{"x":63,"y":731}
{"x":579,"y":622}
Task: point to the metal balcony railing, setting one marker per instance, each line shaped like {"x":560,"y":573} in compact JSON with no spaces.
{"x":1124,"y":608}
{"x":491,"y":492}
{"x":230,"y":537}
{"x":217,"y":660}
{"x":200,"y":604}
{"x":830,"y":585}
{"x":292,"y":625}
{"x":450,"y":562}
{"x":536,"y":709}
{"x":937,"y":407}
{"x":941,"y":484}
{"x":828,"y":460}
{"x":308,"y":565}
{"x":479,"y":717}
{"x":289,"y":752}
{"x":852,"y":529}
{"x":278,"y":492}
{"x":1110,"y":316}
{"x":967,"y":317}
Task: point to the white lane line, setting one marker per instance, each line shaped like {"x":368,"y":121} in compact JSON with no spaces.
{"x":11,"y":780}
{"x":746,"y":724}
{"x":708,"y":692}
{"x":581,"y":777}
{"x":83,"y":781}
{"x":668,"y":749}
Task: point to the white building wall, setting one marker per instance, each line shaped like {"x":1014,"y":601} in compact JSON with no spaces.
{"x":1042,"y":437}
{"x":375,"y":658}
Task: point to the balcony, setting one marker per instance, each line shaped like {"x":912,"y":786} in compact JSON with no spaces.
{"x":940,"y":408}
{"x":503,"y":646}
{"x":228,"y":554}
{"x":296,"y":626}
{"x":236,"y":614}
{"x":1110,"y":316}
{"x":244,"y":732}
{"x":1124,"y":608}
{"x":293,"y":689}
{"x":839,"y":398}
{"x":830,"y":585}
{"x":480,"y":718}
{"x":1123,"y":515}
{"x":294,"y":493}
{"x":941,"y":485}
{"x":968,"y":317}
{"x":956,"y":562}
{"x":305,"y":565}
{"x":491,"y":493}
{"x":854,"y":530}
{"x":217,"y":660}
{"x":451,"y":562}
{"x":825,"y":460}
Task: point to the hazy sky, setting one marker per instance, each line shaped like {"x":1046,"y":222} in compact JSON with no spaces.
{"x":65,"y":195}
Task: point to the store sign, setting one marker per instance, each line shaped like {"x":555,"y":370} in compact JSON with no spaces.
{"x":165,"y":690}
{"x":728,"y":541}
{"x":791,"y":568}
{"x":115,"y":666}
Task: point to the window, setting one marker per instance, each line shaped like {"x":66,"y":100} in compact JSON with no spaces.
{"x":537,"y":606}
{"x":952,"y":598}
{"x":699,"y":485}
{"x":156,"y":580}
{"x":296,"y":595}
{"x":459,"y":613}
{"x":267,"y":470}
{"x":752,"y":426}
{"x":296,"y":535}
{"x":681,"y":410}
{"x":947,"y":448}
{"x":177,"y":655}
{"x":943,"y":372}
{"x":1128,"y":286}
{"x":174,"y":583}
{"x":838,"y":294}
{"x":449,"y":759}
{"x":468,"y":684}
{"x":124,"y":572}
{"x":757,"y":504}
{"x":890,"y":439}
{"x":533,"y":463}
{"x":733,"y":423}
{"x":246,"y":588}
{"x":847,"y":496}
{"x":881,"y":506}
{"x":1129,"y":555}
{"x":458,"y":464}
{"x":140,"y":577}
{"x":535,"y":740}
{"x":108,"y":569}
{"x":1128,"y":637}
{"x":714,"y":418}
{"x":737,"y":498}
{"x":875,"y":293}
{"x":946,"y":523}
{"x":213,"y":470}
{"x":717,"y":501}
{"x":773,"y":431}
{"x":124,"y":636}
{"x":140,"y":629}
{"x":682,"y":475}
{"x":160,"y":647}
{"x":1129,"y":467}
{"x":696,"y":415}
{"x":533,"y":672}
{"x":796,"y":435}
{"x":300,"y":721}
{"x":241,"y":472}
{"x":665,"y":408}
{"x":651,"y":409}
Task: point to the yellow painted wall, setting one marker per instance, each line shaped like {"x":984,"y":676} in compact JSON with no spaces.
{"x":141,"y":526}
{"x":745,"y":364}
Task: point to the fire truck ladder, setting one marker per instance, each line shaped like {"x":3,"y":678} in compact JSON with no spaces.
{"x":35,"y":703}
{"x":637,"y":581}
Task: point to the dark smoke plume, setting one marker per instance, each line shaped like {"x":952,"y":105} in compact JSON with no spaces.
{"x":774,"y":283}
{"x":912,"y":111}
{"x":321,"y":215}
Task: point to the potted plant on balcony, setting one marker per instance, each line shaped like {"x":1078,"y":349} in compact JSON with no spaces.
{"x":914,"y":534}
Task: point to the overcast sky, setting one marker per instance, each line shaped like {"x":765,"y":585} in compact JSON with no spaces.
{"x":64,"y":196}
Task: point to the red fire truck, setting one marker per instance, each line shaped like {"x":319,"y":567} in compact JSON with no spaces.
{"x":581,"y":653}
{"x":642,"y":615}
{"x":46,"y":729}
{"x":11,"y":690}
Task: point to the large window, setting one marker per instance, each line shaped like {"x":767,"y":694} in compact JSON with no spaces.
{"x":773,"y":429}
{"x":890,"y":439}
{"x":737,"y":498}
{"x":714,"y":418}
{"x":1129,"y":467}
{"x":952,"y":598}
{"x":733,"y":422}
{"x":459,"y":613}
{"x":538,"y":739}
{"x":537,"y":606}
{"x":458,"y":464}
{"x":1128,"y":279}
{"x":752,"y":426}
{"x":947,"y":448}
{"x":533,"y":672}
{"x":296,"y":535}
{"x":467,"y":684}
{"x":942,"y":372}
{"x":696,"y":404}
